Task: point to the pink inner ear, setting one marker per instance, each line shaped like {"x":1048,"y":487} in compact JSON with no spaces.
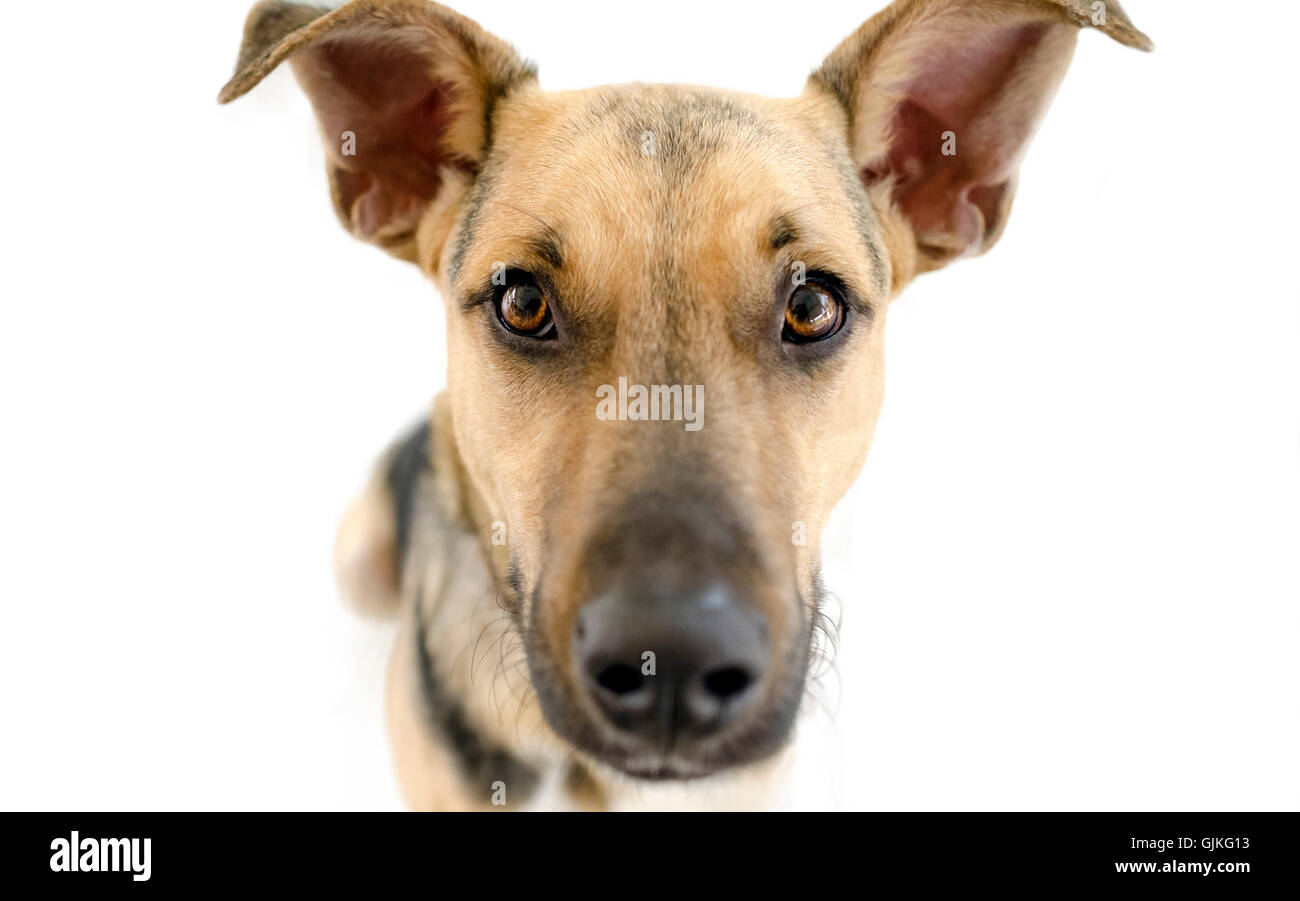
{"x":385,"y":95}
{"x":953,"y":201}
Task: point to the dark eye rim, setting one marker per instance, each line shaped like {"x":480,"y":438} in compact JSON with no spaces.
{"x":515,"y":278}
{"x":833,"y":286}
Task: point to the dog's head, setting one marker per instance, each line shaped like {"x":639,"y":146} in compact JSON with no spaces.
{"x":665,"y":316}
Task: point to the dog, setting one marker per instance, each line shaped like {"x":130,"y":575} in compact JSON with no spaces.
{"x":594,"y":596}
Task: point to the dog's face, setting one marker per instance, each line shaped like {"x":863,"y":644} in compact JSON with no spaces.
{"x":665,"y":316}
{"x":668,"y":242}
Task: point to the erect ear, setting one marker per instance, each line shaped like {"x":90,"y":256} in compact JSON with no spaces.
{"x":403,"y":90}
{"x":943,"y":97}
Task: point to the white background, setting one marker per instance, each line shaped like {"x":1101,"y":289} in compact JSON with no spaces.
{"x":1069,"y":571}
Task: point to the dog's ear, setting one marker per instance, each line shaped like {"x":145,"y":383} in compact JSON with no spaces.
{"x":403,"y":90}
{"x":942,"y":98}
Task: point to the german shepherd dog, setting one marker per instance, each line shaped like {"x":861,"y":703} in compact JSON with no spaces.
{"x":602,"y":580}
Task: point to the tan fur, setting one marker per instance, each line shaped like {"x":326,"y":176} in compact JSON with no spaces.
{"x":668,"y":267}
{"x":365,"y":559}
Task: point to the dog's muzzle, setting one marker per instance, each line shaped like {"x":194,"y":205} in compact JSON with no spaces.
{"x":675,"y":666}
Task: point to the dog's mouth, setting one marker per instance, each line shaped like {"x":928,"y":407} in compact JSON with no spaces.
{"x":664,"y":769}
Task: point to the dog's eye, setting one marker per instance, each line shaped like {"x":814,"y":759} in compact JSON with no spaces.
{"x":813,"y":313}
{"x":523,"y":308}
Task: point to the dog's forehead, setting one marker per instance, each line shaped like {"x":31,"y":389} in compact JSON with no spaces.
{"x":620,"y":182}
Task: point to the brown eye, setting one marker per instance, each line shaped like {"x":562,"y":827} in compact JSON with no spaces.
{"x":813,"y":314}
{"x":524,"y":310}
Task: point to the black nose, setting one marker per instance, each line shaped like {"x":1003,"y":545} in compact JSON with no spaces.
{"x":661,"y":668}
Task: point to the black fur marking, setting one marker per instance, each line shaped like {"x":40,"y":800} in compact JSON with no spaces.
{"x":783,"y":233}
{"x":496,"y":93}
{"x":514,"y":601}
{"x":867,"y":224}
{"x":481,"y":764}
{"x":409,"y":463}
{"x":547,"y":247}
{"x":469,"y":220}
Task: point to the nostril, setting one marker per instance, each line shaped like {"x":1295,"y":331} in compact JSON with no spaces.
{"x":727,"y":682}
{"x":709,"y":669}
{"x":620,"y":678}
